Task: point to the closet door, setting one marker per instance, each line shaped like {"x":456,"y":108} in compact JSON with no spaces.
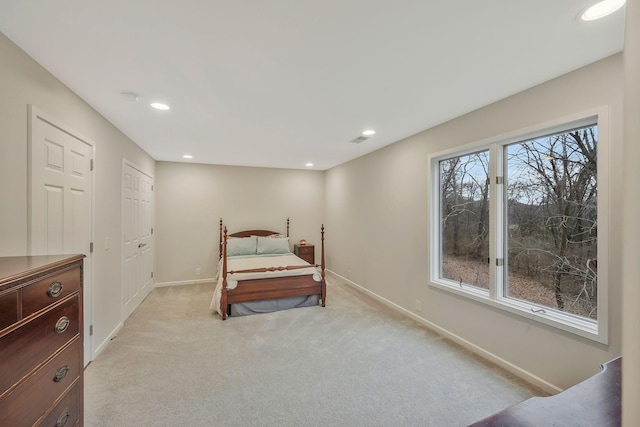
{"x":60,"y":199}
{"x":137,"y":239}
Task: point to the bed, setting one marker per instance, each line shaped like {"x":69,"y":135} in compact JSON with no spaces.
{"x":257,"y":273}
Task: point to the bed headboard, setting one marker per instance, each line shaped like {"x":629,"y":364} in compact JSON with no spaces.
{"x":248,"y":233}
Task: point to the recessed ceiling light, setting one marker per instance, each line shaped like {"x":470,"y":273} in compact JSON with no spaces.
{"x":601,"y":9}
{"x":309,"y":164}
{"x":187,"y":156}
{"x":368,"y":132}
{"x":159,"y":106}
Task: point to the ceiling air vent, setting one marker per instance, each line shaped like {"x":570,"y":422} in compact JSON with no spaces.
{"x":360,"y":139}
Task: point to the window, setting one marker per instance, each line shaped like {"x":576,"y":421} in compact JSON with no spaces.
{"x":464,"y":219}
{"x":517,"y":224}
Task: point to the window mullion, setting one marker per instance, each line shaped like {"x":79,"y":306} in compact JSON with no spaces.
{"x":496,"y":209}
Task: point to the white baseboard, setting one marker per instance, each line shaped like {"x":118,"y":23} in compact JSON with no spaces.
{"x":107,"y":340}
{"x":184,"y":282}
{"x":516,"y":370}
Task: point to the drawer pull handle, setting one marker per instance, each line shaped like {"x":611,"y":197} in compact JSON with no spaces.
{"x":61,"y":373}
{"x":62,"y":419}
{"x":55,"y":289}
{"x":62,"y":324}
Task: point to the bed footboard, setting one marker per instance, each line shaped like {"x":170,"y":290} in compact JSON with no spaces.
{"x":262,"y":289}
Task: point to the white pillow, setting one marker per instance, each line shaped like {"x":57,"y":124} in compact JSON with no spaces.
{"x":271,"y":245}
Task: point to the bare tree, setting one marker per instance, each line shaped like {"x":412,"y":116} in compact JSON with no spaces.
{"x":465,"y":200}
{"x":556,"y":177}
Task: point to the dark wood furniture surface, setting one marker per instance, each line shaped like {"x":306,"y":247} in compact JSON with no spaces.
{"x":267,"y":288}
{"x":593,"y":402}
{"x":306,"y":252}
{"x":41,"y":348}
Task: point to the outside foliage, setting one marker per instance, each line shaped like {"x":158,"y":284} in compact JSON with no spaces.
{"x":550,"y":220}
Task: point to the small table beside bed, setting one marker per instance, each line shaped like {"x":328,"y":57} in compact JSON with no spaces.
{"x":257,"y":273}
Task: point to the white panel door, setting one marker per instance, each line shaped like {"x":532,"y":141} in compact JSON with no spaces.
{"x":60,"y":199}
{"x":137,"y":238}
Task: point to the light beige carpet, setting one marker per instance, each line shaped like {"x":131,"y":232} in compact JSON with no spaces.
{"x":353,"y":363}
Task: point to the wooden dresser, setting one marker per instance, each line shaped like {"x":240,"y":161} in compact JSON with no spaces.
{"x":595,"y":402}
{"x":41,"y":349}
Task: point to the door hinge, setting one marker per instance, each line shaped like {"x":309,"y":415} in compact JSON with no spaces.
{"x":90,"y":330}
{"x":90,"y":247}
{"x":91,"y":164}
{"x":152,"y":274}
{"x":499,"y":262}
{"x":499,"y":179}
{"x":152,"y":231}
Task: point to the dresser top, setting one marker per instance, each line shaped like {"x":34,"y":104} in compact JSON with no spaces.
{"x":19,"y":267}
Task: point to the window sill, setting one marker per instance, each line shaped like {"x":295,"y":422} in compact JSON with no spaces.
{"x":563,"y":321}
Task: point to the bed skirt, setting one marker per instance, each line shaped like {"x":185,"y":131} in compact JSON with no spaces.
{"x":268,"y":306}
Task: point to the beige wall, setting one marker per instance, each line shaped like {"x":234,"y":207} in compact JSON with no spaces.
{"x":191,"y":199}
{"x":377,"y":209}
{"x":631,"y":207}
{"x":23,"y":82}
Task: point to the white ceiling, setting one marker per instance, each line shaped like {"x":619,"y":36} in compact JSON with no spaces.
{"x":279,"y":83}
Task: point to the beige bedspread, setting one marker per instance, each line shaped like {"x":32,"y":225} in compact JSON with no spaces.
{"x":250,"y":262}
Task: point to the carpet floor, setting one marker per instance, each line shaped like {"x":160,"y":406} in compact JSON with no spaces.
{"x":354,"y":362}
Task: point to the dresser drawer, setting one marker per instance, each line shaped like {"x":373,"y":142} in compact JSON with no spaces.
{"x":8,"y":309}
{"x":37,"y":394}
{"x":25,"y":348}
{"x":40,"y":294}
{"x":67,"y":412}
{"x":305,"y":249}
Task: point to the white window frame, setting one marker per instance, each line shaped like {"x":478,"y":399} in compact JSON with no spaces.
{"x":596,"y":330}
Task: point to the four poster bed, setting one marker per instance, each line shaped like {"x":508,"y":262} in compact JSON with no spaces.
{"x":257,"y":273}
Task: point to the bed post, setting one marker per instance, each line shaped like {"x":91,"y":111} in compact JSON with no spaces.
{"x":223,"y":296}
{"x":220,"y":242}
{"x":324,"y":284}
